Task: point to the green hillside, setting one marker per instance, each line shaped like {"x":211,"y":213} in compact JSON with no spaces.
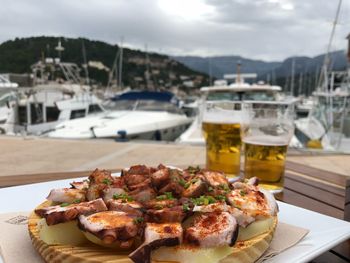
{"x":16,"y":56}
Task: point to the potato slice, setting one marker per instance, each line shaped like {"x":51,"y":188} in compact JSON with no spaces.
{"x":97,"y":241}
{"x":254,"y":229}
{"x":191,"y":255}
{"x":61,"y":234}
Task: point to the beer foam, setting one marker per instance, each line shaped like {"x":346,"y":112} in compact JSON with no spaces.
{"x":222,"y":116}
{"x":267,"y":140}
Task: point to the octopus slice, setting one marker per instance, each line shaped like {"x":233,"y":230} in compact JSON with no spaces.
{"x":160,"y":177}
{"x":271,"y":202}
{"x":215,"y":179}
{"x":252,"y":200}
{"x":100,"y":177}
{"x":216,"y":207}
{"x":60,"y":214}
{"x":174,"y":187}
{"x":160,"y":204}
{"x":212,"y":230}
{"x":253,"y":181}
{"x":157,"y":235}
{"x":143,"y":195}
{"x":109,"y":192}
{"x":110,"y":226}
{"x":243,"y":218}
{"x":140,"y":186}
{"x":99,"y":180}
{"x":166,"y":215}
{"x":131,"y":208}
{"x":80,"y":185}
{"x":66,"y":195}
{"x":196,"y":187}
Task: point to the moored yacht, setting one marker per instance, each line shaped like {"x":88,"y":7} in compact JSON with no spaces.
{"x":238,"y":91}
{"x":58,"y":94}
{"x":145,"y":115}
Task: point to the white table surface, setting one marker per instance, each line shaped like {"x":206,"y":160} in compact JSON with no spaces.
{"x":325,"y":232}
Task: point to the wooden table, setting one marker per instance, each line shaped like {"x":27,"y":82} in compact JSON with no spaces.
{"x":323,"y":192}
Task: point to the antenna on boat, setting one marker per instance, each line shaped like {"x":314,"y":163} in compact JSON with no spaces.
{"x":238,"y":72}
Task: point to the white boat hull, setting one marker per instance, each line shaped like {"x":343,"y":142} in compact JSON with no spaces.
{"x":145,"y":125}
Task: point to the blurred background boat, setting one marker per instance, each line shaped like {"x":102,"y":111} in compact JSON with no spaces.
{"x":146,"y":115}
{"x":238,"y":91}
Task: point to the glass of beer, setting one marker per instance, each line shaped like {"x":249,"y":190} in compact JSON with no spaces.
{"x":267,"y":128}
{"x":221,"y":129}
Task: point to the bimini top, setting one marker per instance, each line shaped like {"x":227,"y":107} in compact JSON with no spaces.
{"x":164,"y":96}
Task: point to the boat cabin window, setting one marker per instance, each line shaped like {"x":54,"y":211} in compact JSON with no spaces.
{"x":94,"y":108}
{"x":258,"y":95}
{"x":75,"y":114}
{"x":4,"y":100}
{"x":223,"y":96}
{"x":239,"y":96}
{"x":152,"y":105}
{"x":52,"y":114}
{"x":36,"y":113}
{"x":120,"y":105}
{"x":144,"y":105}
{"x":22,"y":115}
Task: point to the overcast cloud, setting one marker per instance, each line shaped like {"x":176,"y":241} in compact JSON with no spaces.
{"x":257,"y":29}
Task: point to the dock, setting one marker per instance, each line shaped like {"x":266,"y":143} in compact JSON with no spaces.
{"x":31,"y":155}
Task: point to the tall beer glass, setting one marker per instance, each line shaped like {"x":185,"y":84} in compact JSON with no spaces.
{"x":221,"y":129}
{"x":267,"y":128}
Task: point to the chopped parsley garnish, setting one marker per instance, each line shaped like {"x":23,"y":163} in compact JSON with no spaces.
{"x":192,"y":181}
{"x":193,"y":170}
{"x":185,"y":207}
{"x":224,"y":187}
{"x":76,"y":201}
{"x":182,"y":182}
{"x":210,"y":189}
{"x":106,"y":181}
{"x":124,"y":197}
{"x":204,"y":200}
{"x":138,"y":220}
{"x":64,"y":204}
{"x":165,"y":196}
{"x":220,"y":197}
{"x":243,"y":193}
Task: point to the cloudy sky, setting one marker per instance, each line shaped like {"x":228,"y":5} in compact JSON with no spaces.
{"x":258,"y":29}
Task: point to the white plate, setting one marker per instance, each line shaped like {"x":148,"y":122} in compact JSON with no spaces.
{"x":325,"y":232}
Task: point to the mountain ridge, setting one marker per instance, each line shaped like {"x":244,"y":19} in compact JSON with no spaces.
{"x":17,"y":55}
{"x":221,"y":66}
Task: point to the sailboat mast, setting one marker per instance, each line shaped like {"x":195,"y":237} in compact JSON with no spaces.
{"x":147,"y":69}
{"x":300,"y":83}
{"x":210,"y":73}
{"x":292,"y":78}
{"x":326,"y":62}
{"x":120,"y":64}
{"x":86,"y":70}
